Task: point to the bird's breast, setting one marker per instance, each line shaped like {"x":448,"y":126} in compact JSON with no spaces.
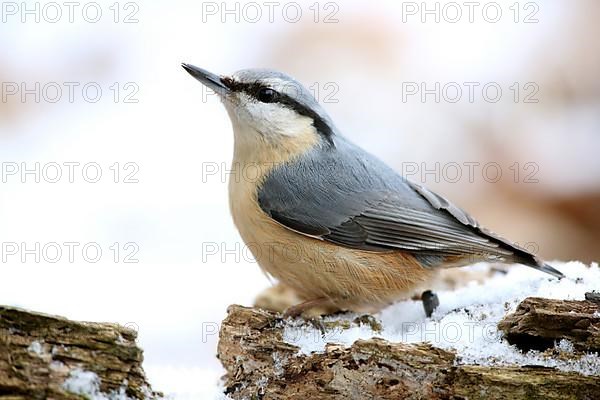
{"x":315,"y":268}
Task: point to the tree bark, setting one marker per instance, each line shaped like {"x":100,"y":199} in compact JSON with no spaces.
{"x":537,"y":323}
{"x":261,"y":365}
{"x":39,"y":352}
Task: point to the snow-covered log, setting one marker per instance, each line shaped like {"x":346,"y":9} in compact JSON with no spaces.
{"x":49,"y":357}
{"x":263,"y":363}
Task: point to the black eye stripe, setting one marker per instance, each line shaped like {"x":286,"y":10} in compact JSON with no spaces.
{"x":253,"y":88}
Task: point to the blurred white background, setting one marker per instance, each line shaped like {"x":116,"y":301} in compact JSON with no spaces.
{"x":166,"y":132}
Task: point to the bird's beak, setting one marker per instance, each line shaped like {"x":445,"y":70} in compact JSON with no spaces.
{"x":208,"y":79}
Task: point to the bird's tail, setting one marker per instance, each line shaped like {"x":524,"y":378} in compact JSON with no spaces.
{"x":519,"y":254}
{"x":540,"y":265}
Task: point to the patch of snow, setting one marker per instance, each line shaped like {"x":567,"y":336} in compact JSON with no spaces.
{"x":36,"y":347}
{"x":82,"y":382}
{"x":278,"y":363}
{"x":466,"y":320}
{"x":261,"y":383}
{"x":87,"y":384}
{"x":565,"y":346}
{"x":58,"y":366}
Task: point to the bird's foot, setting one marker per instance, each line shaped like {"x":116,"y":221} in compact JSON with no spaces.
{"x":430,"y":302}
{"x":318,"y":324}
{"x":299,"y":309}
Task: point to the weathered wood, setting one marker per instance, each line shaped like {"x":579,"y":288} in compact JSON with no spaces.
{"x":593,"y":296}
{"x":261,"y":365}
{"x":39,"y":352}
{"x":538,"y":323}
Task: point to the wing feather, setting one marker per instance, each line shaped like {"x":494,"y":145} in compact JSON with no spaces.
{"x":346,"y":196}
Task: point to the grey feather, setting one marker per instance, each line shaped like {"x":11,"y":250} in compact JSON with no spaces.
{"x":344,"y":195}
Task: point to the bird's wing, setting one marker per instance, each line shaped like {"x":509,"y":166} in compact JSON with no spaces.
{"x":346,"y":196}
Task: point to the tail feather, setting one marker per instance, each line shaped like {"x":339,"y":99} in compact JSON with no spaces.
{"x":520,"y":255}
{"x":548,"y":269}
{"x":535,"y":263}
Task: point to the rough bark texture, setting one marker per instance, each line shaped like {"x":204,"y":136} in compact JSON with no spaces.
{"x":260,"y":365}
{"x":537,"y":323}
{"x":38,"y":352}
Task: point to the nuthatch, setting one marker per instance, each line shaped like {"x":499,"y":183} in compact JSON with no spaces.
{"x":327,"y":218}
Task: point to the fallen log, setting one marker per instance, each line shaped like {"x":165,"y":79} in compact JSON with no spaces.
{"x":49,"y":357}
{"x":260,"y":364}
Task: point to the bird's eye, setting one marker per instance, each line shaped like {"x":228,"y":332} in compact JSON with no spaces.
{"x":266,"y":95}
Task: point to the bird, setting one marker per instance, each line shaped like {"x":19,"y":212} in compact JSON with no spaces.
{"x":325,"y":217}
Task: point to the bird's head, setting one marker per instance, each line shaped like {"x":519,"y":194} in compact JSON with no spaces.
{"x":269,"y":108}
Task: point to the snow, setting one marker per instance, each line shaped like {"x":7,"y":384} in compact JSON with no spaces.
{"x":87,"y":384}
{"x":36,"y":347}
{"x":466,"y":320}
{"x":279,"y":363}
